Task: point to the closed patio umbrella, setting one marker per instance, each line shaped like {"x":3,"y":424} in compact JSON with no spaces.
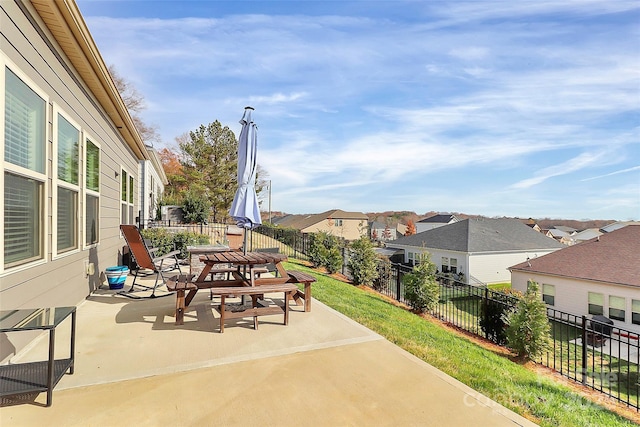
{"x":245,"y":209}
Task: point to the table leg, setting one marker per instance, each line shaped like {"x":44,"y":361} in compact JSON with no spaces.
{"x":222,"y":310}
{"x":307,"y":297}
{"x":50,"y":373}
{"x":286,"y":307}
{"x":180,"y":305}
{"x":254,"y":304}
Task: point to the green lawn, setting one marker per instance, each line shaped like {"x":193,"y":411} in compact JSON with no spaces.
{"x":536,"y":397}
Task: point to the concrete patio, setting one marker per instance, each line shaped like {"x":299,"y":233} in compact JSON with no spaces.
{"x":135,"y":367}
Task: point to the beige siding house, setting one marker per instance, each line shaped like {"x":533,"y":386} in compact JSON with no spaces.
{"x":599,"y":276}
{"x":347,"y":225}
{"x":70,"y":159}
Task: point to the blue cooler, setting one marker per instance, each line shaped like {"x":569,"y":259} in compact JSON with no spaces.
{"x":116,"y":276}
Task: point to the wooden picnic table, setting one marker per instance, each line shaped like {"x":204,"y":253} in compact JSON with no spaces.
{"x":243,"y":274}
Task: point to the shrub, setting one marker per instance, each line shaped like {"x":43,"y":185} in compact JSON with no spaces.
{"x":492,"y":320}
{"x":362,"y":261}
{"x":325,"y":251}
{"x":196,"y":208}
{"x":383,"y":267}
{"x":166,"y":241}
{"x":421,"y":289}
{"x":528,"y":326}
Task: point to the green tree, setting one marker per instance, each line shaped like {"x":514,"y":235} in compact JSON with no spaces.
{"x":195,"y":207}
{"x":363,"y":261}
{"x":383,"y":278}
{"x":210,"y":164}
{"x":324,"y":251}
{"x":528,"y":326}
{"x":421,"y":289}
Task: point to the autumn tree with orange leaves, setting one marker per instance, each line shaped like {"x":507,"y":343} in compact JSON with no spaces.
{"x":411,"y":228}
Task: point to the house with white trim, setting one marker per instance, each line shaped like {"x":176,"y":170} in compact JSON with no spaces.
{"x":598,"y":277}
{"x":435,"y":221}
{"x":482,"y":249}
{"x":152,"y":182}
{"x":70,"y":157}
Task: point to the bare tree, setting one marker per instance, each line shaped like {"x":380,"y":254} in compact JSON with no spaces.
{"x":134,"y":101}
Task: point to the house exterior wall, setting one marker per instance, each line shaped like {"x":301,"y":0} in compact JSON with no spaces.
{"x":492,"y":267}
{"x":572,"y":295}
{"x":349,"y":229}
{"x":424,"y":226}
{"x":30,"y":52}
{"x":151,"y":190}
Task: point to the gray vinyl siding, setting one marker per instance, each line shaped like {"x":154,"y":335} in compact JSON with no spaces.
{"x":61,"y":280}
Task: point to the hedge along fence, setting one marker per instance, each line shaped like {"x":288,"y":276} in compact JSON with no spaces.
{"x":167,"y":241}
{"x":581,"y":350}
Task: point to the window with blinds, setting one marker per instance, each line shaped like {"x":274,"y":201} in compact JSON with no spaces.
{"x":635,"y":312}
{"x":126,"y":198}
{"x":24,"y":121}
{"x":549,"y":294}
{"x":22,"y":219}
{"x":92,"y":195}
{"x":596,"y":303}
{"x":617,"y":306}
{"x":24,"y":167}
{"x":68,"y":144}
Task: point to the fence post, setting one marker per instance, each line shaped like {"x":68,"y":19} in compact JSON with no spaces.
{"x":584,"y":350}
{"x":485,"y":302}
{"x":398,"y":297}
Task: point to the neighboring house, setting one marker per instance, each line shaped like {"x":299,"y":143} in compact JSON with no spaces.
{"x":382,"y":232}
{"x":584,"y":235}
{"x":435,"y":221}
{"x":70,"y":160}
{"x":559,"y":235}
{"x":347,"y":225}
{"x":401,"y":229}
{"x":600,"y":276}
{"x":481,"y":249}
{"x":531,"y":223}
{"x":616,"y":225}
{"x":152,"y":183}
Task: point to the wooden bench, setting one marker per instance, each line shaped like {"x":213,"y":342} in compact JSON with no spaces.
{"x":306,"y":280}
{"x":184,"y":282}
{"x":180,"y":284}
{"x":255,"y":292}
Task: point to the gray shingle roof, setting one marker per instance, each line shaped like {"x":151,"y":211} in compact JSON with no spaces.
{"x":481,"y":235}
{"x":439,"y":219}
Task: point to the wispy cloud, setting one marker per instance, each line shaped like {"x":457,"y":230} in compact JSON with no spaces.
{"x":357,"y":105}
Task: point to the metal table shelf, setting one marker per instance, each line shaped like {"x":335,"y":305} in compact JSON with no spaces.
{"x":42,"y":376}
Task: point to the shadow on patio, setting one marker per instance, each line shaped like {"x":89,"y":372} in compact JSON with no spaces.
{"x":135,"y":367}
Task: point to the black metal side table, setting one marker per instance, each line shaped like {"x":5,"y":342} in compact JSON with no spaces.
{"x":36,"y":377}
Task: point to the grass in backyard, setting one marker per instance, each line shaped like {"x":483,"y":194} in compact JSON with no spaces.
{"x":500,"y":286}
{"x":532,"y":395}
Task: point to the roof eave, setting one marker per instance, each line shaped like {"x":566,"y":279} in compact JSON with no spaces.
{"x":64,"y":21}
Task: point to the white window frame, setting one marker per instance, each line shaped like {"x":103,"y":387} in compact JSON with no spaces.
{"x":127,"y":205}
{"x":87,"y":192}
{"x":589,"y":302}
{"x":635,"y":310}
{"x":57,"y":183}
{"x":547,"y":287}
{"x":623,"y":309}
{"x":25,"y":172}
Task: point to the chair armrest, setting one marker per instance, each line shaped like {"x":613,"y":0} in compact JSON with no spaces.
{"x":167,"y":255}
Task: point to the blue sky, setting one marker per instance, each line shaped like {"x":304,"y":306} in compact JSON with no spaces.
{"x":514,"y":108}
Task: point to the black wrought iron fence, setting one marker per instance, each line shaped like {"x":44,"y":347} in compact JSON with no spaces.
{"x":590,"y":351}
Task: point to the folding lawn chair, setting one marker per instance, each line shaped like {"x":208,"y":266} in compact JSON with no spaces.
{"x":145,"y":260}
